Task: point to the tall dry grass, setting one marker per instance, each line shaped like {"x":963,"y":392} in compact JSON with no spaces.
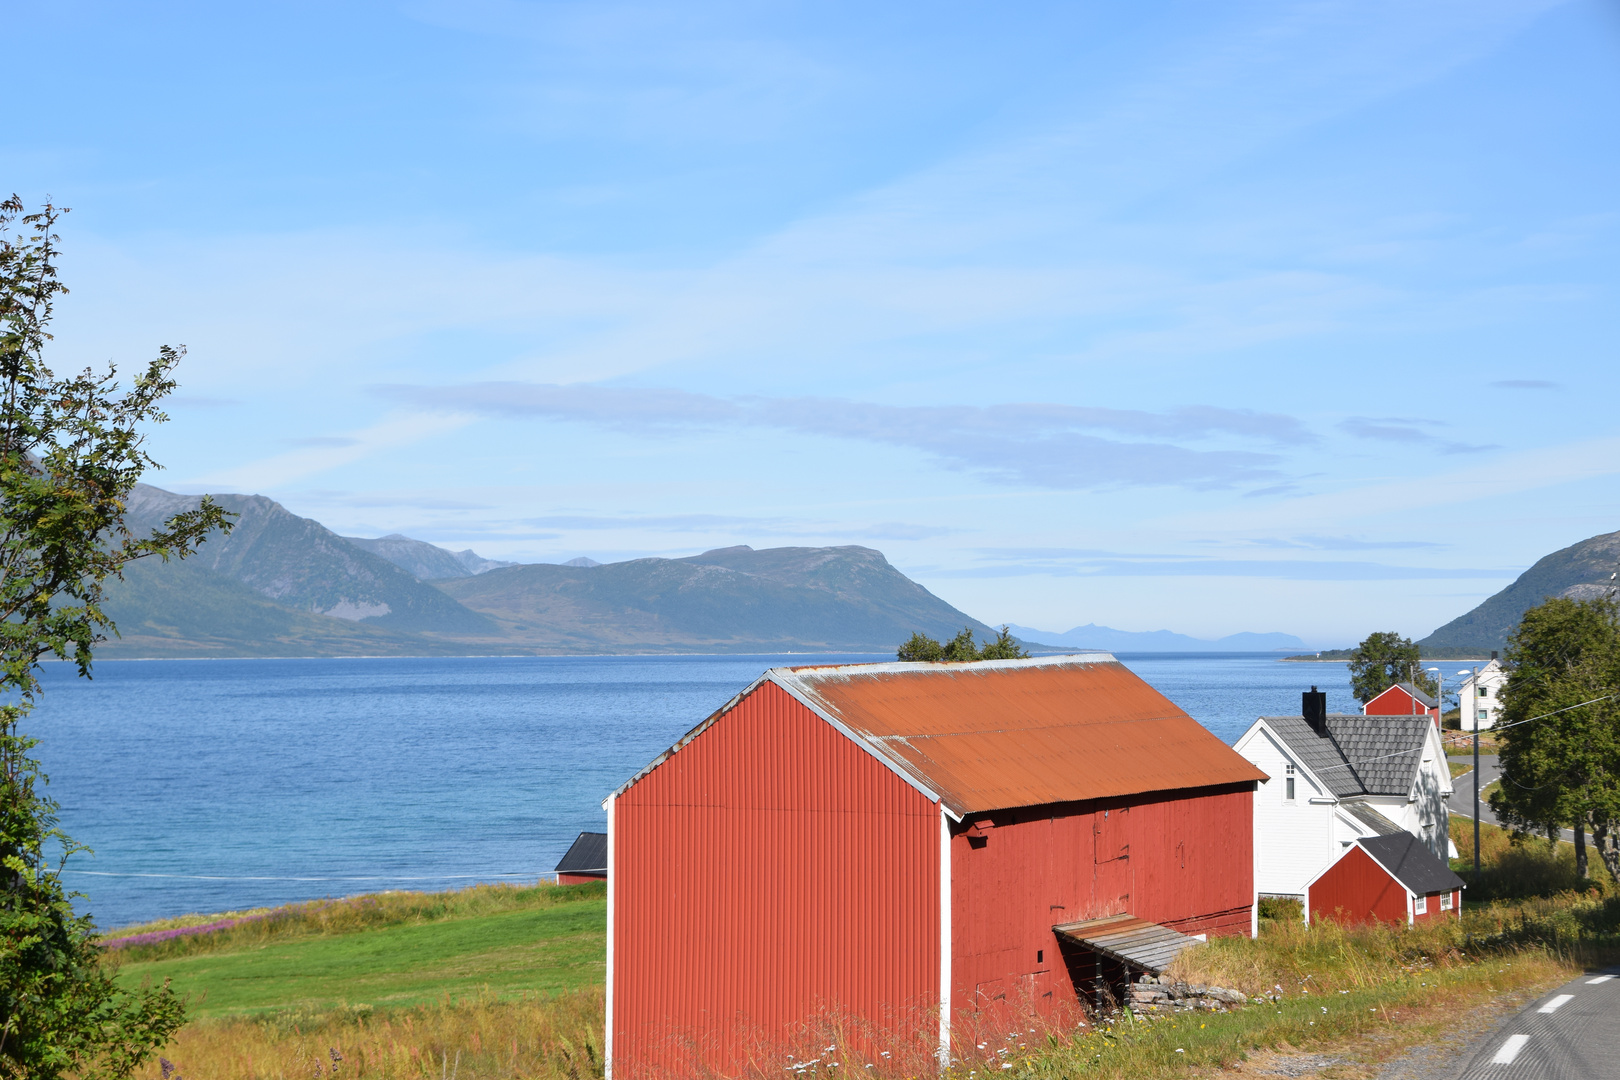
{"x":543,"y":1038}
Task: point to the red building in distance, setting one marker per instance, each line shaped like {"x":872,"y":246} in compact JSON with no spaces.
{"x":879,"y":839}
{"x":1403,"y":699}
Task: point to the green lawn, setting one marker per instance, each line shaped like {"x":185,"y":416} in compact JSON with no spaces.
{"x":545,"y":949}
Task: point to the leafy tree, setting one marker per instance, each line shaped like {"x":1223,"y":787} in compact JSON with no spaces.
{"x":963,"y":647}
{"x":71,"y":451}
{"x":1383,"y":660}
{"x":1560,"y":757}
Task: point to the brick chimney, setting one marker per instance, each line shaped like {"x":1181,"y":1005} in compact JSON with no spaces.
{"x":1313,"y":703}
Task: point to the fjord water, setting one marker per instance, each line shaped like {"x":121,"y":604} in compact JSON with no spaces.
{"x":214,"y":785}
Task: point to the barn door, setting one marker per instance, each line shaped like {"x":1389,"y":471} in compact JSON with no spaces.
{"x":1111,"y":888}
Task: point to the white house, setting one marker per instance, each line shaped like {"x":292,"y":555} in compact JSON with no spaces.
{"x":1480,"y":699}
{"x":1336,"y":778}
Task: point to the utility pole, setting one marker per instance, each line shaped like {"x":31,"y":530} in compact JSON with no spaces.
{"x":1475,"y":717}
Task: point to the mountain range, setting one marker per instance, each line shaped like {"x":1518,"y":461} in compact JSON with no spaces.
{"x":1092,"y":636}
{"x":283,"y":585}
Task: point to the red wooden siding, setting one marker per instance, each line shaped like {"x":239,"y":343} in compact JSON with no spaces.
{"x":579,"y":879}
{"x":1355,"y":890}
{"x":1184,"y":859}
{"x":768,"y":870}
{"x":1434,"y":911}
{"x":1397,"y":702}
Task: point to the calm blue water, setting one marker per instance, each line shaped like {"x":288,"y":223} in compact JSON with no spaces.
{"x":211,"y":785}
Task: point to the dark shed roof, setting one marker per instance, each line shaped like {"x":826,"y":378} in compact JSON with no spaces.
{"x":587,"y":856}
{"x":1411,"y":864}
{"x":1358,"y":755}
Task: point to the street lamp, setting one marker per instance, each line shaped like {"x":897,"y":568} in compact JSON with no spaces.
{"x":1475,"y":725}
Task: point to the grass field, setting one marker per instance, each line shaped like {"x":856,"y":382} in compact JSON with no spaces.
{"x":542,"y":951}
{"x":504,"y":980}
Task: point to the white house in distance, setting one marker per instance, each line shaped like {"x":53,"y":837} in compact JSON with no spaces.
{"x":1336,"y":778}
{"x":1480,"y":699}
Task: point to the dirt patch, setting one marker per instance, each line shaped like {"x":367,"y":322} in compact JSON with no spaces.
{"x":1442,"y":1058}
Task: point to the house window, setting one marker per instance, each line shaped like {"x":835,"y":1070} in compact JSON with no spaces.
{"x":1288,"y":784}
{"x":1445,"y":902}
{"x":1482,"y":715}
{"x":1484,"y":691}
{"x":1421,"y":905}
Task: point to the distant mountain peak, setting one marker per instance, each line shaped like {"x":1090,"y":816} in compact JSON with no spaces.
{"x":583,"y":560}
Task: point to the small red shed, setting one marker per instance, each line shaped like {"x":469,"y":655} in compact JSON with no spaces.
{"x":585,"y":861}
{"x":880,"y":839}
{"x":1391,"y":878}
{"x":1403,"y":699}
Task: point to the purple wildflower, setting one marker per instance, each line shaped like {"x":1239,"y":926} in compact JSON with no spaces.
{"x":167,"y":1066}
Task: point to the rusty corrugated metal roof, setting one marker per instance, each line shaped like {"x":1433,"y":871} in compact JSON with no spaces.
{"x":1124,"y":937}
{"x":1000,"y":734}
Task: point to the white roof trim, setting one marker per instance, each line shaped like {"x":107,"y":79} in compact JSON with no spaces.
{"x":899,"y":768}
{"x":1376,"y":860}
{"x":1288,"y":752}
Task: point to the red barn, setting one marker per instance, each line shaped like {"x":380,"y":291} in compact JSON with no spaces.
{"x":1403,"y":699}
{"x":881,"y":838}
{"x":1390,"y":878}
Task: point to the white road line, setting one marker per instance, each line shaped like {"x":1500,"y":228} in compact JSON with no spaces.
{"x":1599,"y":979}
{"x":1556,"y":1003}
{"x":1510,"y":1050}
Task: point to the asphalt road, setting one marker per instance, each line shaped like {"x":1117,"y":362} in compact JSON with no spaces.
{"x":1568,"y":1034}
{"x":1462,"y":790}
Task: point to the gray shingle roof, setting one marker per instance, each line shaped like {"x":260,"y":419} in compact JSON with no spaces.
{"x":1359,"y":755}
{"x":1378,"y":823}
{"x":1411,"y":864}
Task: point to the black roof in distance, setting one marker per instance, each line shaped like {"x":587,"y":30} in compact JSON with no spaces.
{"x":587,"y":856}
{"x":1411,"y":864}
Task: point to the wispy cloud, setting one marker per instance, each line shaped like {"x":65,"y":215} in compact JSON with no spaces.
{"x":323,"y":440}
{"x":1343,"y":543}
{"x":1048,"y":445}
{"x":1410,"y":430}
{"x":273,"y":472}
{"x":1083,"y":562}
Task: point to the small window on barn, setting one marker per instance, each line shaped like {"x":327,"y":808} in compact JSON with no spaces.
{"x":1421,"y":905}
{"x":1445,"y":901}
{"x":1288,"y":787}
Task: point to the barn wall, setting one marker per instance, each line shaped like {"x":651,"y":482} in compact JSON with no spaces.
{"x":1181,"y":859}
{"x":579,"y":879}
{"x":769,"y":870}
{"x":1356,"y":890}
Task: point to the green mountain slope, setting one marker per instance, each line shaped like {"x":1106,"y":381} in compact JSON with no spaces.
{"x":186,"y":609}
{"x":729,"y":600}
{"x":1581,"y":570}
{"x":425,"y":561}
{"x":300,"y":564}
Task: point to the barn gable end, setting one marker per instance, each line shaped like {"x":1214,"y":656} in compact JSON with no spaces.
{"x":764,"y":836}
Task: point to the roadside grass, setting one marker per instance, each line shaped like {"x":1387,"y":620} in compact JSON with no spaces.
{"x":1534,"y":867}
{"x":1457,"y":770}
{"x":1329,"y":985}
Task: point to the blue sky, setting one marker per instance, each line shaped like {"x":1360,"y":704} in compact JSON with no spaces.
{"x":1250,"y":316}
